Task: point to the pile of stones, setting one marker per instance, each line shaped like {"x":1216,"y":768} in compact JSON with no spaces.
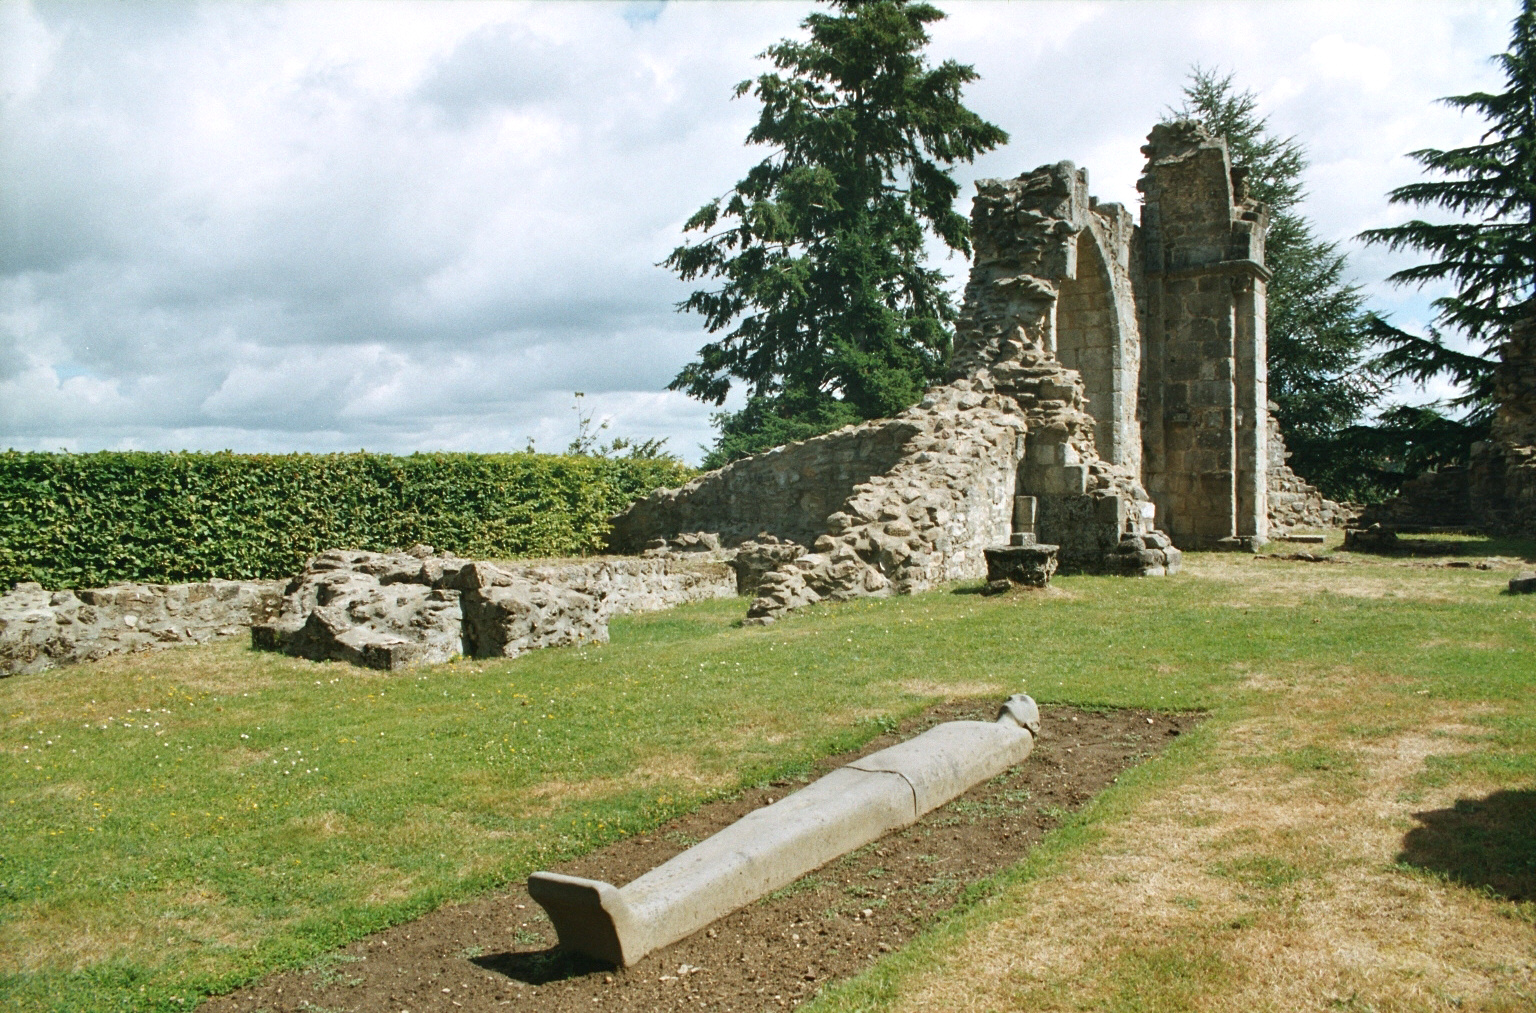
{"x":1150,"y":554}
{"x":386,"y":610}
{"x":398,"y":610}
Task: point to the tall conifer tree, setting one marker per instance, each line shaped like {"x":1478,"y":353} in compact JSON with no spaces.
{"x":1490,"y":255}
{"x":828,"y":309}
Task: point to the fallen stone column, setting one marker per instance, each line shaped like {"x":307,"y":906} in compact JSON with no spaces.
{"x":779,"y":843}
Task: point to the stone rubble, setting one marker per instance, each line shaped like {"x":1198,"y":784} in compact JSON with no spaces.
{"x":1293,"y":503}
{"x":400,"y":610}
{"x":41,"y":629}
{"x":381,"y":610}
{"x":1028,"y":565}
{"x":1149,"y":554}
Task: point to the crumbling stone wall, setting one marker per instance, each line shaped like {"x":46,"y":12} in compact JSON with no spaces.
{"x":944,"y":493}
{"x":41,"y":629}
{"x":1497,"y":492}
{"x":384,"y":610}
{"x":1503,"y":491}
{"x":925,"y":521}
{"x":400,"y":610}
{"x":1293,"y":503}
{"x":787,"y":492}
{"x":1435,"y":499}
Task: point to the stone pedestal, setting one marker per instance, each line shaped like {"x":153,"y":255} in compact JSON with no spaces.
{"x":1030,"y":565}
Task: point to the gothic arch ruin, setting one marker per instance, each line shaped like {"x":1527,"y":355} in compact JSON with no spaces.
{"x":1113,"y":370}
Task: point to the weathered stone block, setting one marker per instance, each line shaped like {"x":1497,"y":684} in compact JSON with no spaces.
{"x":506,"y":620}
{"x":1028,"y":565}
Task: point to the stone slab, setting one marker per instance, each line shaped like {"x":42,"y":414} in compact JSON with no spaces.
{"x":776,"y":845}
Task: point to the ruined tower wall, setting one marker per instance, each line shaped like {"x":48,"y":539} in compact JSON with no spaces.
{"x":1205,"y":417}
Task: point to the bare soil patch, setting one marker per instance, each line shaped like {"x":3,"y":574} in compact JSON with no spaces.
{"x":498,"y":952}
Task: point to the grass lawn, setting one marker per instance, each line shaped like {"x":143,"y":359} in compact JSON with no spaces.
{"x":1341,"y":834}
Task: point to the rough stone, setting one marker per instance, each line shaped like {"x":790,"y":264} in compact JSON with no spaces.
{"x":1523,"y":583}
{"x":40,"y":629}
{"x":754,"y":560}
{"x":1376,"y":538}
{"x":1026,"y":565}
{"x":399,"y":610}
{"x":1293,"y":503}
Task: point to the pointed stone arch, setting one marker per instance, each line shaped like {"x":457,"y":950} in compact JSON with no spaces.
{"x":1095,"y":332}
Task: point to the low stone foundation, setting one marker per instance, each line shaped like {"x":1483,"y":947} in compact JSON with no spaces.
{"x":400,"y":610}
{"x":382,"y":610}
{"x":42,"y":629}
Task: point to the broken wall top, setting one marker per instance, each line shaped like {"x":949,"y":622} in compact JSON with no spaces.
{"x":1196,"y":211}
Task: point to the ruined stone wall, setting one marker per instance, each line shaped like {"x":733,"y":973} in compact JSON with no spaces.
{"x":385,"y":610}
{"x":1504,"y":499}
{"x":1497,"y":492}
{"x":1293,"y":503}
{"x":786,"y":492}
{"x":944,"y":494}
{"x":1204,"y":373}
{"x":41,"y":629}
{"x":625,"y":584}
{"x":1070,"y":313}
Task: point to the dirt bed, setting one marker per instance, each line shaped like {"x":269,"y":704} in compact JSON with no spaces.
{"x":498,"y":952}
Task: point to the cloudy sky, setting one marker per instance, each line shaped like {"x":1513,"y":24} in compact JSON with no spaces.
{"x":420,"y":226}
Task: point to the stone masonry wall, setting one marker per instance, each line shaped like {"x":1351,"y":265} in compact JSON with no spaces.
{"x":386,"y":610}
{"x":786,"y":492}
{"x":42,"y":629}
{"x":1507,"y":502}
{"x":1293,"y":503}
{"x":1204,"y":343}
{"x":944,"y":493}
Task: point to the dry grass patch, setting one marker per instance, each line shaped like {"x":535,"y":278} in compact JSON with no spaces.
{"x":1252,"y":890}
{"x":1269,"y":873}
{"x":950,"y":692}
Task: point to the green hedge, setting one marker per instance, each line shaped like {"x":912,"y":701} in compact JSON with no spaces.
{"x":84,"y":520}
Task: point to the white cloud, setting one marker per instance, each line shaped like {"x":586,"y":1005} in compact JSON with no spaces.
{"x":418,"y":226}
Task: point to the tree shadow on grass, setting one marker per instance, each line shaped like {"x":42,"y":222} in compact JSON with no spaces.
{"x":540,"y":967}
{"x":1488,"y":844}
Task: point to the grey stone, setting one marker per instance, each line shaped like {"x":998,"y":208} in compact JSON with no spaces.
{"x":779,"y":843}
{"x":392,"y":610}
{"x":1523,"y":583}
{"x":41,"y":629}
{"x":1027,"y":565}
{"x":1375,"y":538}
